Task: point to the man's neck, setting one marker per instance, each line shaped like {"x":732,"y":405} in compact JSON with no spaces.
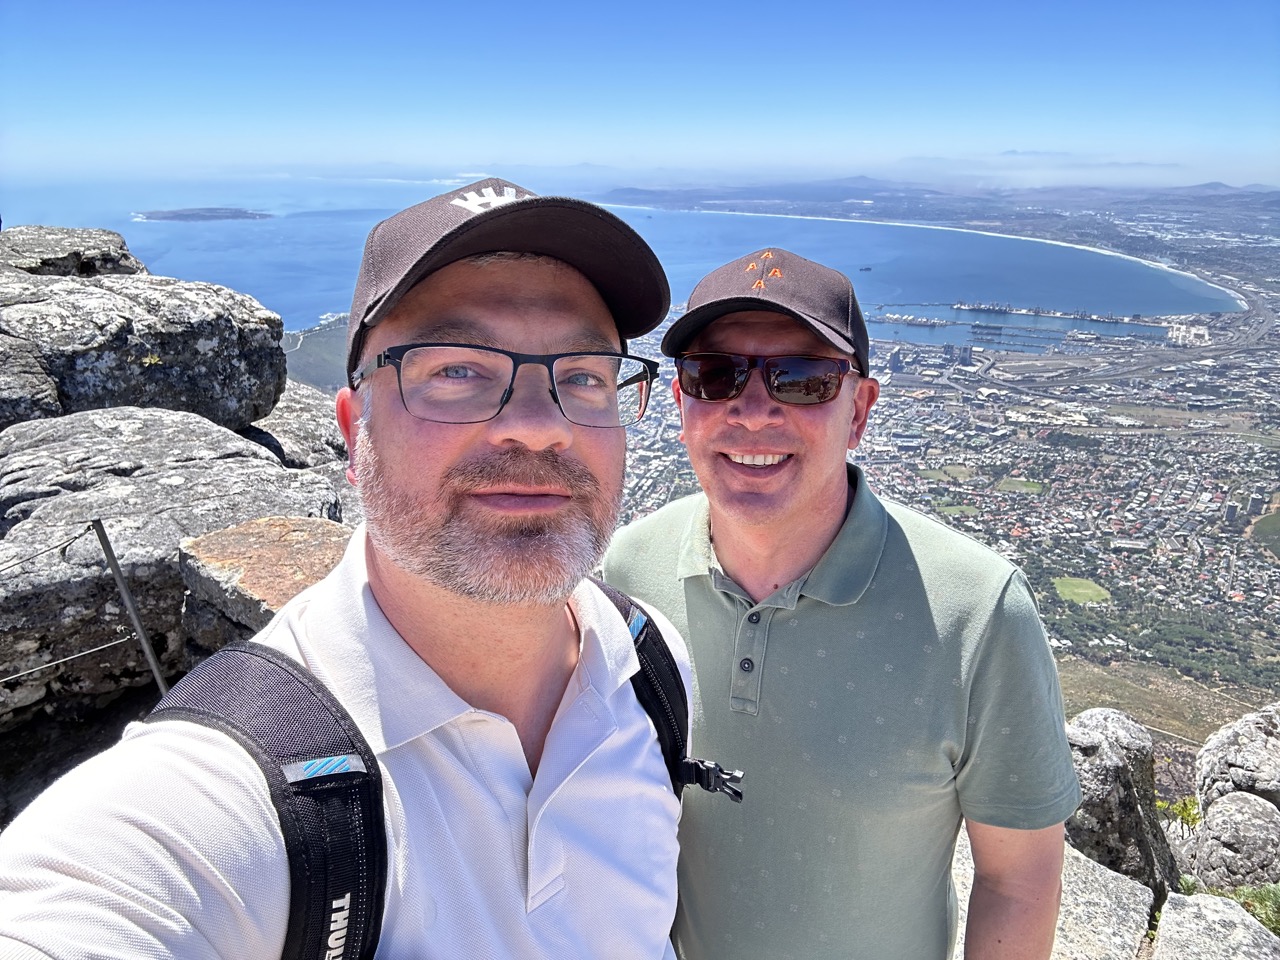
{"x":514,"y":661}
{"x":761,"y":559}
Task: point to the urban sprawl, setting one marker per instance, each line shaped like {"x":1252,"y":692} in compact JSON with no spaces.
{"x":1135,"y":482}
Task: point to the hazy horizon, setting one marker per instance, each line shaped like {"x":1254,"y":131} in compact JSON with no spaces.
{"x":588,"y":176}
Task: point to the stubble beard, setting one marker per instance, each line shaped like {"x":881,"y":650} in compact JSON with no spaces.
{"x":507,"y":561}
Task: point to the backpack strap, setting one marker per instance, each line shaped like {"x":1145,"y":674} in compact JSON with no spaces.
{"x":325,"y":784}
{"x":660,"y":690}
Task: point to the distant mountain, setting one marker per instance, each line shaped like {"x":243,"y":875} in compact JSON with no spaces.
{"x":1207,"y":189}
{"x":811,"y":191}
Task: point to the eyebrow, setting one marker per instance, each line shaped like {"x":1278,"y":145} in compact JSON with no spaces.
{"x":459,"y":331}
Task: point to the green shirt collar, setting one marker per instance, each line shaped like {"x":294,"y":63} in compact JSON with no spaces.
{"x":840,"y":576}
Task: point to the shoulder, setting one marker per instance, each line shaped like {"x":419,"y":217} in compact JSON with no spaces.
{"x":169,"y":835}
{"x":966,"y":585}
{"x":931,"y":541}
{"x":603,"y":612}
{"x":644,"y":558}
{"x":651,"y":543}
{"x":660,"y":529}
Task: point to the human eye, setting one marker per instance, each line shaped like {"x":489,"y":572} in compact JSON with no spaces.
{"x":586,"y":373}
{"x":445,"y":367}
{"x":458,"y":371}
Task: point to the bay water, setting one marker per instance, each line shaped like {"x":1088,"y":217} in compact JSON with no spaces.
{"x":301,"y":261}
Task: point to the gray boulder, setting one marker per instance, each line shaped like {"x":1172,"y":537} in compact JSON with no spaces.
{"x":154,"y":477}
{"x":1243,"y":755}
{"x":1205,"y":927}
{"x":105,"y":341}
{"x":1238,"y":844}
{"x":1116,"y":823}
{"x":302,"y":430}
{"x":66,"y":252}
{"x":27,"y":392}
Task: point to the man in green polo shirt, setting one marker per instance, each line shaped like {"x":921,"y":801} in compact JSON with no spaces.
{"x":880,"y":678}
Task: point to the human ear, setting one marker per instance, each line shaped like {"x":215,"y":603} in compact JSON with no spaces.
{"x":679,"y":398}
{"x":347,"y":409}
{"x":868,"y":391}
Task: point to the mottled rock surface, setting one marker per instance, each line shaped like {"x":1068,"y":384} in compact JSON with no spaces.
{"x":1245,"y":756}
{"x":154,"y":477}
{"x":142,"y":341}
{"x":1205,"y":927}
{"x":1238,"y":844}
{"x":302,"y":430}
{"x":239,"y":577}
{"x":1116,"y":824}
{"x":67,"y":252}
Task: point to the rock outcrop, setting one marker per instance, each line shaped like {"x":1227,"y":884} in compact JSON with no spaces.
{"x":1211,"y":928}
{"x":1116,"y":824}
{"x":1238,"y":844}
{"x":67,"y":252}
{"x":94,"y":337}
{"x":153,"y":477}
{"x":301,"y":430}
{"x":1245,"y":756}
{"x":239,"y":577}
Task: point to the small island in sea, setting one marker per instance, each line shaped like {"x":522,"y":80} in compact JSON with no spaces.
{"x":202,"y":213}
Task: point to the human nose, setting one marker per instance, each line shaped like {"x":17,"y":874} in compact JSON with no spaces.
{"x":754,"y":408}
{"x":531,"y":415}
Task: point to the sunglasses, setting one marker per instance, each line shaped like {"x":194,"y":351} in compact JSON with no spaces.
{"x":796,"y":380}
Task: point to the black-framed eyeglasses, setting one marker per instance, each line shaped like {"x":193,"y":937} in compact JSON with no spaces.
{"x":464,"y":383}
{"x":795,"y":380}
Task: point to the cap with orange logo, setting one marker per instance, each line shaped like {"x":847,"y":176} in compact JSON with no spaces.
{"x":820,"y":298}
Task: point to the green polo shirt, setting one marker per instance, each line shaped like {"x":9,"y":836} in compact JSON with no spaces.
{"x":904,"y":683}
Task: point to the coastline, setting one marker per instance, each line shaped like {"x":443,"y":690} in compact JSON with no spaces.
{"x":1241,"y":303}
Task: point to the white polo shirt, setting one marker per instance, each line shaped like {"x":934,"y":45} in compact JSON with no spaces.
{"x":168,"y":844}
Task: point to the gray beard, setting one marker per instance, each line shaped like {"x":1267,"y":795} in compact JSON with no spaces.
{"x":534,"y":560}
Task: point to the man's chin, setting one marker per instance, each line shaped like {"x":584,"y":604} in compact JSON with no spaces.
{"x":502,"y":561}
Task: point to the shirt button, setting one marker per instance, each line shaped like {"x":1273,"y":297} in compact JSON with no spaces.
{"x":754,"y":617}
{"x":747,"y":665}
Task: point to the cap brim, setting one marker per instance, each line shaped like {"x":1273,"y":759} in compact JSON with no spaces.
{"x":684,"y":329}
{"x":599,"y":245}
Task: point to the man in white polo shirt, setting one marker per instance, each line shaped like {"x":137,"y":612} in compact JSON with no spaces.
{"x":880,"y":678}
{"x":528,"y":807}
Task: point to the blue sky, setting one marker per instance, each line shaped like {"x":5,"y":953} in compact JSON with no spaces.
{"x":1019,"y":92}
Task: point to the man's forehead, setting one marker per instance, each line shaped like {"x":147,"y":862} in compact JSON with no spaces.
{"x":509,"y":304}
{"x":513,"y":336}
{"x":762,"y":325}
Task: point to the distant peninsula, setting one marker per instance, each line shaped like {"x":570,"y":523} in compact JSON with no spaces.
{"x":202,"y":213}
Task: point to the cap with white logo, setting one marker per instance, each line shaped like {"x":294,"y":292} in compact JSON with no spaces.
{"x":494,"y":215}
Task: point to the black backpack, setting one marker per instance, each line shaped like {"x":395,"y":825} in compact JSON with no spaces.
{"x":327,"y":788}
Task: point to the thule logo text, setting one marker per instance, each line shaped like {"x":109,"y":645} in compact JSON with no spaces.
{"x":338,"y":928}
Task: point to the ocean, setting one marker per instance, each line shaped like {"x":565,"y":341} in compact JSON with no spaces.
{"x":302,"y":261}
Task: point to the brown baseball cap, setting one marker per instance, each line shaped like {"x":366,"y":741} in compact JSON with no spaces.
{"x":775,"y":279}
{"x":493,"y":215}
